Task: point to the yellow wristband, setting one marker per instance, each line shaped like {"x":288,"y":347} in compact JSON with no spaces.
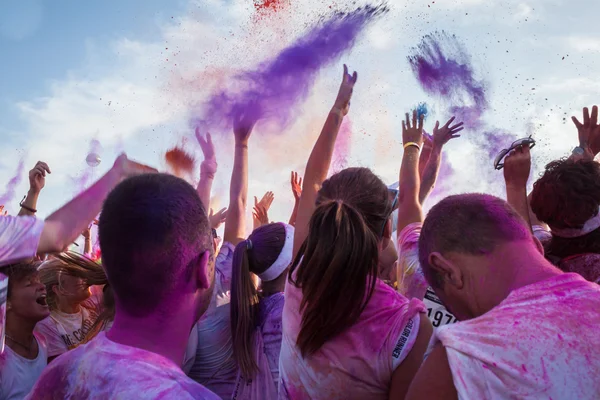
{"x":406,"y":145}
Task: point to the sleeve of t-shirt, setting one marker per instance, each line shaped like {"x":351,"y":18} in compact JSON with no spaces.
{"x":405,"y":341}
{"x":541,"y":233}
{"x":224,"y":265}
{"x":55,"y":344}
{"x":411,"y":281}
{"x":19,"y":238}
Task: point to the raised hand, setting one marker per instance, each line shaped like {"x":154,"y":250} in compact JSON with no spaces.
{"x":265,"y":202}
{"x":413,"y":133}
{"x":209,"y":165}
{"x":37,"y":176}
{"x":517,"y":166}
{"x":260,"y":215}
{"x":87,"y":232}
{"x":243,"y":123}
{"x":296,"y":183}
{"x":342,"y":101}
{"x":589,"y":131}
{"x":3,"y":213}
{"x":443,"y":135}
{"x":216,"y":220}
{"x":127,"y":168}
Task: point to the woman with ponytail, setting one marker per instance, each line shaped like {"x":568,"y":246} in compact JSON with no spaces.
{"x":256,"y":311}
{"x":346,"y":334}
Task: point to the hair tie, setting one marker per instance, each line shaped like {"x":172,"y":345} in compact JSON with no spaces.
{"x":248,"y":244}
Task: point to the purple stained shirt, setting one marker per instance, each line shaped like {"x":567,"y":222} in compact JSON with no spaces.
{"x":271,"y":309}
{"x":103,"y":369}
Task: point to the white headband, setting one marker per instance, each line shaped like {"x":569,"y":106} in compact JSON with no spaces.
{"x":283,"y":260}
{"x":568,"y":233}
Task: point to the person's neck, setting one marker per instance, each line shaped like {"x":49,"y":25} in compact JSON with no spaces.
{"x":274,"y":286}
{"x":65,"y":306}
{"x":20,"y":335}
{"x":165,"y":334}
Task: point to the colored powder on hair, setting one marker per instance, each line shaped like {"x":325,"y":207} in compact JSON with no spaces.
{"x":443,"y":67}
{"x":180,"y":161}
{"x":12,"y":184}
{"x":275,"y":88}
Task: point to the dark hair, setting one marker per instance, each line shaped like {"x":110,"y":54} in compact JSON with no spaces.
{"x":18,"y":273}
{"x":337,"y":265}
{"x":153,"y":228}
{"x":566,"y":196}
{"x":267,"y":243}
{"x":468,"y":223}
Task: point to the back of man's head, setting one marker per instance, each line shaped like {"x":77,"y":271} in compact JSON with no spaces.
{"x":152,"y":230}
{"x":473,"y":224}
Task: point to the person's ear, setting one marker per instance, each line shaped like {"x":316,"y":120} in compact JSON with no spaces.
{"x":55,"y":289}
{"x":203,"y":271}
{"x":450,"y":273}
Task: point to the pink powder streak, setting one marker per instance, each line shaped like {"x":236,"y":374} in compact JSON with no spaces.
{"x":12,"y":184}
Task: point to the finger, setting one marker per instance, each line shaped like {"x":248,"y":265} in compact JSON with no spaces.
{"x":222,"y":210}
{"x":407,"y":121}
{"x":421,"y":120}
{"x":454,"y":136}
{"x":300,"y":182}
{"x":403,"y":126}
{"x":354,"y":77}
{"x":594,"y":119}
{"x":210,"y":213}
{"x":44,"y":166}
{"x":578,"y":124}
{"x":414,"y":118}
{"x":455,"y":131}
{"x":209,"y":138}
{"x":586,"y":117}
{"x":456,"y":126}
{"x":526,"y":151}
{"x":255,"y":201}
{"x":437,"y":125}
{"x":449,"y":122}
{"x":345,"y":72}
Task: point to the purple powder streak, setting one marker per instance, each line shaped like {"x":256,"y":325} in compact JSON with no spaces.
{"x":275,"y":88}
{"x":12,"y":184}
{"x":443,"y":68}
{"x":341,"y":151}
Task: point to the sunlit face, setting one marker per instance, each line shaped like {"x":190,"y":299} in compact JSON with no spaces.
{"x":73,"y":289}
{"x":28,"y":299}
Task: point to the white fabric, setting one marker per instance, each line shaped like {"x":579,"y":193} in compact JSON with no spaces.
{"x":541,"y":342}
{"x":19,"y":374}
{"x":406,"y":341}
{"x":19,"y":238}
{"x":63,"y":331}
{"x":283,"y":260}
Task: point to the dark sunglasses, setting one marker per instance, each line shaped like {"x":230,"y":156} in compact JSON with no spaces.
{"x":214,"y":234}
{"x":498,"y":162}
{"x":394,"y":196}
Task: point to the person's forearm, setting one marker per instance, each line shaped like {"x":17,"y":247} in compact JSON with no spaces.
{"x":294,"y":213}
{"x":66,"y":224}
{"x":424,"y":160}
{"x":87,"y":247}
{"x":235,"y":225}
{"x":316,"y":173}
{"x":29,"y":202}
{"x":430,"y":174}
{"x":205,"y":187}
{"x":409,"y":208}
{"x":516,"y":196}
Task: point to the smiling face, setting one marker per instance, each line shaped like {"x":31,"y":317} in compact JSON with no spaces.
{"x":27,"y":298}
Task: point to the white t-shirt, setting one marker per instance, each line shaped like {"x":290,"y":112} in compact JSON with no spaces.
{"x":105,"y":370}
{"x":64,"y":332}
{"x":19,"y":238}
{"x":541,"y":342}
{"x":19,"y":374}
{"x":215,"y":366}
{"x":411,"y":281}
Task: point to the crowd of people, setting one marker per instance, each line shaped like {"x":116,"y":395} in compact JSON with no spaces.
{"x":357,"y":296}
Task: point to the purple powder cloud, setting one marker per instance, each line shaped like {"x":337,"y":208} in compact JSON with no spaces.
{"x":443,"y":68}
{"x":12,"y":184}
{"x":275,"y":88}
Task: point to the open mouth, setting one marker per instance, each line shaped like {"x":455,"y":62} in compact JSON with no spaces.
{"x":42,"y":300}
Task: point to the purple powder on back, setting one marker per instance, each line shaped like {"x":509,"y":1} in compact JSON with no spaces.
{"x":12,"y":184}
{"x":443,"y":68}
{"x":274,"y":90}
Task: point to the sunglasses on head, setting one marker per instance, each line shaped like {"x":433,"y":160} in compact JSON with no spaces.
{"x":394,"y":196}
{"x":498,"y":162}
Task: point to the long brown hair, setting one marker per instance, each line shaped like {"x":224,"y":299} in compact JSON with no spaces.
{"x":337,"y":265}
{"x":266,"y":244}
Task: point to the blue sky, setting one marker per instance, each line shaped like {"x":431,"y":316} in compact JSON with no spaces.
{"x":131,"y":74}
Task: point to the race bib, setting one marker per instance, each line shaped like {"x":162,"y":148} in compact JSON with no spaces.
{"x":436,"y":312}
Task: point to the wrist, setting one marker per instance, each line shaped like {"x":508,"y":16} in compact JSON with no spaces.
{"x":337,"y":110}
{"x":516,"y":186}
{"x":33,"y":191}
{"x":242,"y":144}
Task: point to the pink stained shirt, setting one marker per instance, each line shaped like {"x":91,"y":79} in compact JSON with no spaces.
{"x":103,"y":370}
{"x":359,"y":362}
{"x":19,"y":238}
{"x":541,"y":342}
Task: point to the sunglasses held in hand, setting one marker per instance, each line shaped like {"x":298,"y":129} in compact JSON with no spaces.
{"x":498,"y":162}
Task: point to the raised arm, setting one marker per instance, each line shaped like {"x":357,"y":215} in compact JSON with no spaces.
{"x":208,"y":168}
{"x":37,"y":181}
{"x":320,"y":158}
{"x":517,"y":166}
{"x":235,"y":225}
{"x":409,"y":207}
{"x":441,"y":136}
{"x":66,"y":224}
{"x":260,"y":213}
{"x":296,"y":183}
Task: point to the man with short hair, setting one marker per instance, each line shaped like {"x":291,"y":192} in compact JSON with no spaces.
{"x":527,"y":329}
{"x":157,"y":250}
{"x":25,"y":355}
